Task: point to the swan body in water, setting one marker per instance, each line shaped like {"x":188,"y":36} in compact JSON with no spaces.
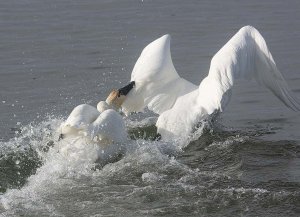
{"x":106,"y":126}
{"x":94,"y":134}
{"x":180,"y":104}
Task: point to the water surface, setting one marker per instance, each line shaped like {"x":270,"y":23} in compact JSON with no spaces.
{"x":58,"y":54}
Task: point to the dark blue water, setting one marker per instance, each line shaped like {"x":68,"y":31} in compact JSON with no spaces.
{"x":58,"y":54}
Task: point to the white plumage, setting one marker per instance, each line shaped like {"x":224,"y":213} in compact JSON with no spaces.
{"x":79,"y":120}
{"x":91,"y":134}
{"x":181,"y":104}
{"x":106,"y":127}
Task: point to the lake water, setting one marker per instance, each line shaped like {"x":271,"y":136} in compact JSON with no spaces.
{"x":55,"y":55}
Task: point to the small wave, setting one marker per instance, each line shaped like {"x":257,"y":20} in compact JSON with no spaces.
{"x":228,"y":142}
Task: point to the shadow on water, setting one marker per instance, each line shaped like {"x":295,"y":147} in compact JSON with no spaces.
{"x":145,"y":132}
{"x":15,"y":168}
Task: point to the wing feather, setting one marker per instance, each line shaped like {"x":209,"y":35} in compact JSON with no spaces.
{"x":245,"y":55}
{"x":157,"y":84}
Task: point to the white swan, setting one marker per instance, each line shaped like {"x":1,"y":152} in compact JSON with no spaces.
{"x":90,"y":134}
{"x":181,"y":104}
{"x":102,"y":124}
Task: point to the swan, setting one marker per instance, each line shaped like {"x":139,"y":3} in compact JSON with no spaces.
{"x":94,"y":134}
{"x":180,"y":104}
{"x":103,"y":123}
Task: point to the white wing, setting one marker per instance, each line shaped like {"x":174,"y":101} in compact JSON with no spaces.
{"x":181,"y":104}
{"x":157,"y":84}
{"x":79,"y":119}
{"x":245,"y":55}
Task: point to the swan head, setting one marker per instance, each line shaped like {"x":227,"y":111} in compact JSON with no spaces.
{"x":117,"y":97}
{"x":102,"y":106}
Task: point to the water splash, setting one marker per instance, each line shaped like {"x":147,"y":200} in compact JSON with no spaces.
{"x":152,"y":177}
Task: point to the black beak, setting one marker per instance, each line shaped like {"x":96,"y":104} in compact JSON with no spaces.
{"x":125,"y":90}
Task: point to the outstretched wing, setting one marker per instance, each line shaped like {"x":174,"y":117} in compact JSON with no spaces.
{"x":245,"y":55}
{"x":157,"y":84}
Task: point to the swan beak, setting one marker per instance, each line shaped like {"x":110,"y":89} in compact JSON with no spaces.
{"x":125,"y":90}
{"x":117,"y":97}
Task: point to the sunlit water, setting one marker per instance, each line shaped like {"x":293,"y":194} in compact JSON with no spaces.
{"x":56,"y":55}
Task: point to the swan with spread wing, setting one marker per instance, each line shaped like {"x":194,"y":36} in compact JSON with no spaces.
{"x":180,"y":104}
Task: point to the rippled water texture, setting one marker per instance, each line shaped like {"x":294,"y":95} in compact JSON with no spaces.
{"x":58,"y":54}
